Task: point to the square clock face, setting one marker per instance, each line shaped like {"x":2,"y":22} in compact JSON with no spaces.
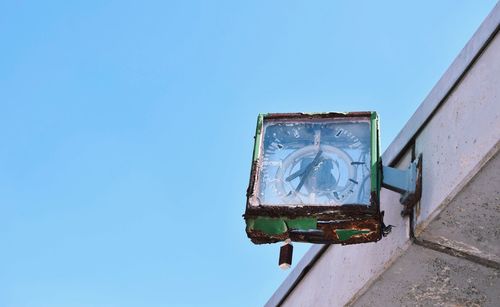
{"x":314,"y":159}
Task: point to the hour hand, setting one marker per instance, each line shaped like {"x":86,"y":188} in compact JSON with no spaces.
{"x":296,"y":174}
{"x":308,"y":170}
{"x":301,"y":171}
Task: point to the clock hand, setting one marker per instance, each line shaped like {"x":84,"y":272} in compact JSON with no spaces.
{"x":296,"y":174}
{"x":308,"y":170}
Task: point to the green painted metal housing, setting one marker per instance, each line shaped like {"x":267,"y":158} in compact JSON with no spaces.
{"x":280,"y":225}
{"x":317,"y":224}
{"x":376,"y":164}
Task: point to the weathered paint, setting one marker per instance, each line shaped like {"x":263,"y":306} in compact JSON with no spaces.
{"x":269,"y":224}
{"x":346,"y":234}
{"x":258,"y":132}
{"x":323,"y":113}
{"x":375,"y":154}
{"x":302,"y":223}
{"x":318,"y":115}
{"x":276,"y":226}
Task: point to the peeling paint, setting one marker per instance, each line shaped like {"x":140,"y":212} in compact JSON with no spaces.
{"x":258,"y":133}
{"x":271,"y":226}
{"x":351,"y":223}
{"x":275,"y":226}
{"x":302,"y":223}
{"x":346,"y":234}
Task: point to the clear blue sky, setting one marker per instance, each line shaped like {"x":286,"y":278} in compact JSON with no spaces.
{"x":126,"y":132}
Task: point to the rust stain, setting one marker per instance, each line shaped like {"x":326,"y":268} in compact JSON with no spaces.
{"x":325,"y":231}
{"x":320,"y":212}
{"x":251,"y":184}
{"x":414,"y":201}
{"x":317,"y":115}
{"x":329,"y":218}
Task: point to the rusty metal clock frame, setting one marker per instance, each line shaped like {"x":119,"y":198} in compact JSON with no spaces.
{"x":324,"y":191}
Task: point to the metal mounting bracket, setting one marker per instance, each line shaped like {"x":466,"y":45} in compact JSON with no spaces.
{"x":406,"y":182}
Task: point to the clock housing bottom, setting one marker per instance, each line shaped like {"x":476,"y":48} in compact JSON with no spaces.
{"x":318,"y":229}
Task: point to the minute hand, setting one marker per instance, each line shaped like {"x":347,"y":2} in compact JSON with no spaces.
{"x":308,"y":170}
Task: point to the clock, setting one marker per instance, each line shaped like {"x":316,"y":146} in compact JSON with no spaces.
{"x":314,"y":162}
{"x":314,"y":174}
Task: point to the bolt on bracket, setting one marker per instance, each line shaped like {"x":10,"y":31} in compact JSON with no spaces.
{"x":407,"y":182}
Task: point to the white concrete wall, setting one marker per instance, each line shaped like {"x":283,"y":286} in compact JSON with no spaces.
{"x":462,"y":136}
{"x":456,"y":142}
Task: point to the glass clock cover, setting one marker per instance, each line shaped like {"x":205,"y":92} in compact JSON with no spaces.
{"x":313,"y":160}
